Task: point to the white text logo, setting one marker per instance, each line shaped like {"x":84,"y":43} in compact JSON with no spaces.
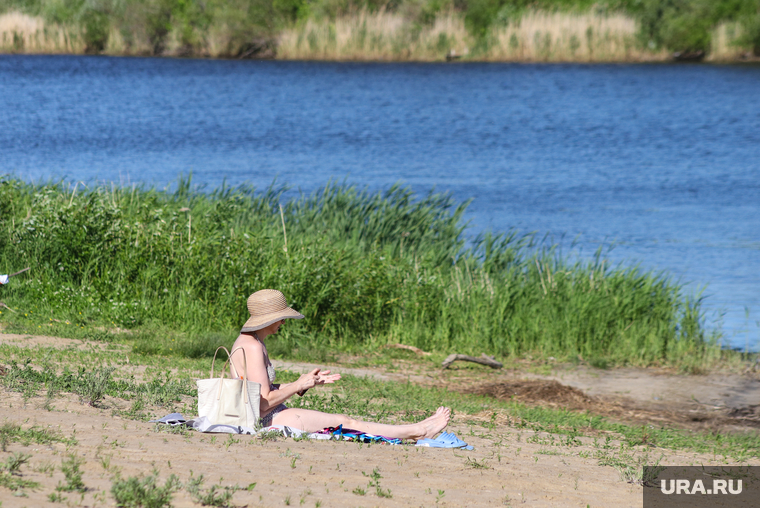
{"x":698,"y":487}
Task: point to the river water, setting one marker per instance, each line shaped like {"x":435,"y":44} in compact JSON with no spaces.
{"x":663,"y":161}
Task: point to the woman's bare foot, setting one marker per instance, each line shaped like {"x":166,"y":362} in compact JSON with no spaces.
{"x":436,"y":423}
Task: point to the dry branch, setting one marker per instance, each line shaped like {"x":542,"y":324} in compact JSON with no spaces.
{"x":409,"y":348}
{"x":483,"y":360}
{"x":19,"y":272}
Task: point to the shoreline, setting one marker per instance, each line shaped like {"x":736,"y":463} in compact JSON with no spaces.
{"x":536,"y":37}
{"x":660,"y":61}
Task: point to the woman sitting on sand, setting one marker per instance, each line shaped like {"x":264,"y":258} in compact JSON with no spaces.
{"x":269,"y":310}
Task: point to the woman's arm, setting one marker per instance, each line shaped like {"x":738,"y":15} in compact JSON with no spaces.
{"x":257,"y":372}
{"x":309,"y":380}
{"x":312,"y":379}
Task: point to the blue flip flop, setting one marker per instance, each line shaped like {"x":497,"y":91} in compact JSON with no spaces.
{"x":454,"y":441}
{"x":445,"y":440}
{"x":432,"y":443}
{"x":451,"y":438}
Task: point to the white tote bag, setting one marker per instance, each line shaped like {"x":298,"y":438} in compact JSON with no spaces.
{"x":229,"y":401}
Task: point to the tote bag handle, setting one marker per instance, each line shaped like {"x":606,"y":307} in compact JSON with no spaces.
{"x":211,"y":374}
{"x":245,"y":372}
{"x":224,"y":367}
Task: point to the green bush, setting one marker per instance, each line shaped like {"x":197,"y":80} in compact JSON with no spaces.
{"x":679,"y":25}
{"x":685,"y":25}
{"x":158,"y":22}
{"x":751,"y":36}
{"x":686,"y":32}
{"x":95,"y":19}
{"x":481,"y":14}
{"x":60,"y":11}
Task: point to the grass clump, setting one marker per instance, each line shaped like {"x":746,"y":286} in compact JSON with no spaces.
{"x":374,"y":482}
{"x":70,"y":466}
{"x":16,"y":483}
{"x":639,"y":470}
{"x":13,"y":433}
{"x":10,"y":473}
{"x":144,"y":492}
{"x":93,"y":385}
{"x":216,"y":495}
{"x":15,"y":461}
{"x":365,"y":269}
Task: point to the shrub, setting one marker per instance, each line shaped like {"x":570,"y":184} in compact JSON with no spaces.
{"x":96,"y":24}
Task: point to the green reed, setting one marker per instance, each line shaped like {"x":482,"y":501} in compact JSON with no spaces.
{"x":365,"y":269}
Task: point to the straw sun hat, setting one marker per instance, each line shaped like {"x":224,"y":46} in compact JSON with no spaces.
{"x":266,"y":307}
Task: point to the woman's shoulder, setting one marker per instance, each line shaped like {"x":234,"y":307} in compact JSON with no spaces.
{"x":247,"y":343}
{"x":254,"y":353}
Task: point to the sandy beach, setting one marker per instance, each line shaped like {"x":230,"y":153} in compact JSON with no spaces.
{"x":510,"y":465}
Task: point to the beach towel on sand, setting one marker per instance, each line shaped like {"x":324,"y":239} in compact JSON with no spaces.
{"x":355,"y":435}
{"x":202,"y":424}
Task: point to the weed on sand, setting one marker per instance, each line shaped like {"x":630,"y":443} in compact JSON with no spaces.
{"x":216,"y":495}
{"x":93,"y":385}
{"x":13,"y":433}
{"x":144,"y":492}
{"x":10,"y":473}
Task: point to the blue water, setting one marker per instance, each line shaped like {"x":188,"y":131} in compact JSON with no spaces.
{"x":661,"y":160}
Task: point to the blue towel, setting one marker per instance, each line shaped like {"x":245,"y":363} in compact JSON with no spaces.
{"x":355,"y":435}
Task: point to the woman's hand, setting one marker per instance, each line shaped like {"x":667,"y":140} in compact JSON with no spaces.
{"x":314,"y":378}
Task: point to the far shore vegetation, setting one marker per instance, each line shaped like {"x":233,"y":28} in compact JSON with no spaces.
{"x":398,"y":30}
{"x":366,"y":269}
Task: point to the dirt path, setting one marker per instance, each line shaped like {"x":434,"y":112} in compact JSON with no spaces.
{"x":713,"y":401}
{"x":717,"y":401}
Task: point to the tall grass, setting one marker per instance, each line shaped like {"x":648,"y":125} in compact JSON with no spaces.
{"x":364,"y":269}
{"x":128,"y":35}
{"x":20,"y":33}
{"x":535,"y":36}
{"x":502,"y":30}
{"x":379,"y":35}
{"x":727,"y":43}
{"x":569,"y":37}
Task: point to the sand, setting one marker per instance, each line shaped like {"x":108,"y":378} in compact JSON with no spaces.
{"x":509,"y":466}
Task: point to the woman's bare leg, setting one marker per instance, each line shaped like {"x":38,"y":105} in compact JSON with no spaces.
{"x":312,"y":421}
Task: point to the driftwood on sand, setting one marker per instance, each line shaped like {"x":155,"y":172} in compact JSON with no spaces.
{"x":483,"y":360}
